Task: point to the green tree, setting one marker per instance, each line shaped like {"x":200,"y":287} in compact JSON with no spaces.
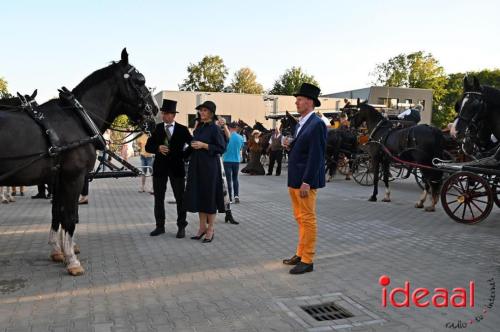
{"x":207,"y":75}
{"x":416,"y":70}
{"x":245,"y":81}
{"x":290,"y":81}
{"x":4,"y":91}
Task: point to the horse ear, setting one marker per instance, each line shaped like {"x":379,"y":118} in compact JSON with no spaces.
{"x":19,"y":96}
{"x":33,"y":95}
{"x":477,"y":86}
{"x":125,"y":56}
{"x":467,"y":86}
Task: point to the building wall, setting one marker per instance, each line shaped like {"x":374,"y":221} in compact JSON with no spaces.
{"x":247,"y":107}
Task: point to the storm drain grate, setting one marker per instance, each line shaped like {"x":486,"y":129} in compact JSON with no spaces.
{"x":327,"y":311}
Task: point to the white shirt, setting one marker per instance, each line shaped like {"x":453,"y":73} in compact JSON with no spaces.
{"x":171,"y":128}
{"x":302,"y":121}
{"x":325,"y":120}
{"x":405,"y":113}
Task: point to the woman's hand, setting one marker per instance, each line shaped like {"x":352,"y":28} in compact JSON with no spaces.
{"x":199,"y":145}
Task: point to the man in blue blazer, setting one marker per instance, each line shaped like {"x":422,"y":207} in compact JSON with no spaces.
{"x":306,"y":173}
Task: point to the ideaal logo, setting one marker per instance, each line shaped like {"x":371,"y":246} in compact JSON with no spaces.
{"x":440,"y":298}
{"x":460,"y":297}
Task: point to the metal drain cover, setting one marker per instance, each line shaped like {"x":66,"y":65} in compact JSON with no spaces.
{"x":327,"y":311}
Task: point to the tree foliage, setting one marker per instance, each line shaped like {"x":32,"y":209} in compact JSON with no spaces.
{"x":207,"y":75}
{"x":245,"y":81}
{"x":290,"y":81}
{"x":4,"y":91}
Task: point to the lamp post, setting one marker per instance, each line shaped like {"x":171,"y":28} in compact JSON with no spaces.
{"x":274,"y":99}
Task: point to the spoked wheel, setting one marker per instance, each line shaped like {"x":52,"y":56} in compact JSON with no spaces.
{"x":496,"y":189}
{"x":467,"y":198}
{"x":363,"y":170}
{"x":343,"y":164}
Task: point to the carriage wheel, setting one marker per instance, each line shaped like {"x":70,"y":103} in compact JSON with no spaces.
{"x":496,"y":189}
{"x":363,"y":170}
{"x":467,"y":198}
{"x":343,"y":164}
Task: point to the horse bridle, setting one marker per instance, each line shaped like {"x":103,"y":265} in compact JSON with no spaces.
{"x":144,"y":94}
{"x":472,"y":122}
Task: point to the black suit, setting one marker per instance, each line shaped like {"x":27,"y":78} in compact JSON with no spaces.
{"x":170,"y":166}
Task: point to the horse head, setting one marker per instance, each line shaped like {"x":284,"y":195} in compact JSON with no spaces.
{"x":118,"y":89}
{"x":469,"y":109}
{"x":288,"y":123}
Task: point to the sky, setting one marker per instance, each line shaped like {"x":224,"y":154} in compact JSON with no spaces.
{"x":53,"y":43}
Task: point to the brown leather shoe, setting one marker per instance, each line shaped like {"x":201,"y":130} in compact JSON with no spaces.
{"x":292,"y":261}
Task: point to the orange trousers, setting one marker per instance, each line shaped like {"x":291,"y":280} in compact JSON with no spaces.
{"x":304,"y":210}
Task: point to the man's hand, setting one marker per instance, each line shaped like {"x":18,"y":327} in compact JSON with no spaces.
{"x":163,"y":149}
{"x":199,"y":145}
{"x":221,"y":122}
{"x":304,"y":190}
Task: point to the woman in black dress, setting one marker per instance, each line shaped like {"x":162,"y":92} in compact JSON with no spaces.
{"x":204,"y":190}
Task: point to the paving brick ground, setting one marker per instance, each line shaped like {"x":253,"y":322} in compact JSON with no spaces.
{"x":237,"y":283}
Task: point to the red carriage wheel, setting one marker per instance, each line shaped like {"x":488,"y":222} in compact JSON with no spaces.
{"x":467,"y":198}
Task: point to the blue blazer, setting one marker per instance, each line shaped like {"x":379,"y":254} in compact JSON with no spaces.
{"x":306,"y":161}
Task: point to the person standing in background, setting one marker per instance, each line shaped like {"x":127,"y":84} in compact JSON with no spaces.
{"x":275,"y":151}
{"x":146,"y":162}
{"x":232,"y":159}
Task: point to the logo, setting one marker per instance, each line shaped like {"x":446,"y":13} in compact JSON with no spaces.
{"x":421,"y":297}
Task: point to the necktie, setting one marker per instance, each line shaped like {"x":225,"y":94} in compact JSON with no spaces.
{"x":167,"y":131}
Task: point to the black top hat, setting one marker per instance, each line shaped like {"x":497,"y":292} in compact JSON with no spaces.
{"x":169,"y":106}
{"x":309,"y":91}
{"x":210,"y":105}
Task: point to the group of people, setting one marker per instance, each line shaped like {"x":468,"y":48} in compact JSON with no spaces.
{"x":214,"y":154}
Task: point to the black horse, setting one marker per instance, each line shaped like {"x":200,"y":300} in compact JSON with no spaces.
{"x":417,"y":145}
{"x":116,"y":89}
{"x":478,"y":119}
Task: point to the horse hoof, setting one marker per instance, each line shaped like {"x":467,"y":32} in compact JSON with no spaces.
{"x":372,"y":199}
{"x":76,"y":271}
{"x":76,"y":249}
{"x":57,"y":257}
{"x":348,"y":179}
{"x":419,"y":206}
{"x":386,"y":200}
{"x":430,"y":209}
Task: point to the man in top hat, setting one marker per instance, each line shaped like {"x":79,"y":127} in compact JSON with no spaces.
{"x":306,"y":174}
{"x":168,"y":142}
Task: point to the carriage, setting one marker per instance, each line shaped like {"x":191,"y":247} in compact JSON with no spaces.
{"x":470,"y":193}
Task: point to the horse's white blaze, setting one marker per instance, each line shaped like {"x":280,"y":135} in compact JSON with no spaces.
{"x":453,"y":129}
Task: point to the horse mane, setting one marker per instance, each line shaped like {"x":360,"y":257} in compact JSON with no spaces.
{"x":95,"y":78}
{"x":491,"y":95}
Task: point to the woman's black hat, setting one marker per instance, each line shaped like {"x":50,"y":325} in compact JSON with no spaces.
{"x":210,"y":105}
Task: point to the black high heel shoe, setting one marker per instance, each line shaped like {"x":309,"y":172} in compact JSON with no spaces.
{"x":205,"y":240}
{"x":229,"y":218}
{"x":199,"y":236}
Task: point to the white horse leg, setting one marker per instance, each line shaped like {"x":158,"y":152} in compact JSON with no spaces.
{"x":56,"y":253}
{"x":421,"y":200}
{"x":72,"y":263}
{"x":3,"y":197}
{"x":9,"y":195}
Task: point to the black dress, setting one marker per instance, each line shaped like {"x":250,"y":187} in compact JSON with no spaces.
{"x":204,"y":189}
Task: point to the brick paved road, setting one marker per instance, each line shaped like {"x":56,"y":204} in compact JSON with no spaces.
{"x":237,"y":283}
